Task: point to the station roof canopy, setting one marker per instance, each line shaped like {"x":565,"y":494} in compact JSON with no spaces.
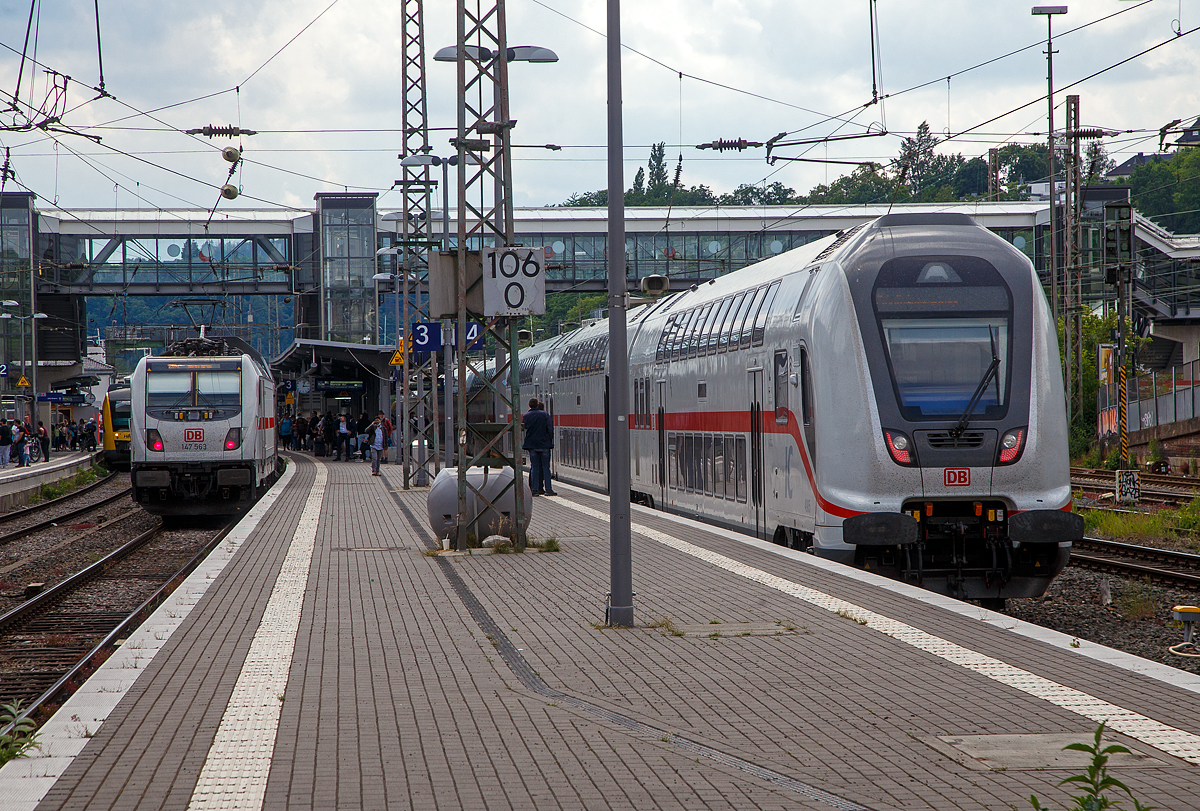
{"x":358,"y":359}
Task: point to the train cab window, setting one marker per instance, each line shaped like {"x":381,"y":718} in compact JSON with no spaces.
{"x":746,"y":328}
{"x":760,"y":322}
{"x":218,"y":389}
{"x":942,"y":321}
{"x":168,"y":389}
{"x":727,"y":329}
{"x":782,"y":372}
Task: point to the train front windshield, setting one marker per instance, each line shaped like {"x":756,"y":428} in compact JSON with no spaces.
{"x":120,"y":413}
{"x":208,"y":390}
{"x":945,"y":323}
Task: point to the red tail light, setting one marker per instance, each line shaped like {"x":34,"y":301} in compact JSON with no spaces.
{"x":154,"y":440}
{"x":1011,"y":445}
{"x":900,"y":448}
{"x":233,"y":439}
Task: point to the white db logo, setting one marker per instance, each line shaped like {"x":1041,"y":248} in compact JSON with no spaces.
{"x":957,"y":476}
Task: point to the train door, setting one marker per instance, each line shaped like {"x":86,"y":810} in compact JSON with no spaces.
{"x":661,"y":424}
{"x":757,"y":483}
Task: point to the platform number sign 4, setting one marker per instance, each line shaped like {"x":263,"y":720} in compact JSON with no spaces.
{"x":514,"y":281}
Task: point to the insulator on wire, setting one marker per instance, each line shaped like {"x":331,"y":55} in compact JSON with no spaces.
{"x":723,"y":144}
{"x":225,"y":130}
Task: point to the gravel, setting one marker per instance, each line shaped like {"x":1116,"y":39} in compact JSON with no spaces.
{"x":1138,"y":620}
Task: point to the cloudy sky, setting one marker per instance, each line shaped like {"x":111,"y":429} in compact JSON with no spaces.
{"x":328,"y":107}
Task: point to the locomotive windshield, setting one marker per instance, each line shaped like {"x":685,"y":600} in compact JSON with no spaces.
{"x":941,"y":320}
{"x":209,"y":390}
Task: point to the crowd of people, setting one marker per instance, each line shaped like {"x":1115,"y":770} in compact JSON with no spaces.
{"x":19,"y":438}
{"x":338,"y":435}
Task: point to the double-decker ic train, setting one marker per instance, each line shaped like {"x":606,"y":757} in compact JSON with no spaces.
{"x":890,"y":397}
{"x":202,"y":428}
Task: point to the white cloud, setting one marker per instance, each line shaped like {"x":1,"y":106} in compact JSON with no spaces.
{"x":344,"y":73}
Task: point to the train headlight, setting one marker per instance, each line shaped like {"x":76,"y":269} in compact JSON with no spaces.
{"x":154,"y":440}
{"x":233,"y":439}
{"x":1011,"y":446}
{"x":899,"y":447}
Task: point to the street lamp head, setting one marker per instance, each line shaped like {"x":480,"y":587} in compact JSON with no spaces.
{"x":11,"y":303}
{"x":382,"y":277}
{"x":395,"y":249}
{"x":1048,"y":10}
{"x":40,"y":315}
{"x":421,"y":160}
{"x":520,"y":53}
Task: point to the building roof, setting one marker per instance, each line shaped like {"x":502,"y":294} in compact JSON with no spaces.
{"x":1190,"y":136}
{"x":1140,"y":159}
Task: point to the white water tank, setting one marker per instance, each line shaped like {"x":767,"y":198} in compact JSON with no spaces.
{"x":442,"y":503}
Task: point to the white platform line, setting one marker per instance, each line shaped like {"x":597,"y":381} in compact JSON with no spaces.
{"x":1168,"y":739}
{"x":25,"y":782}
{"x":235,"y":772}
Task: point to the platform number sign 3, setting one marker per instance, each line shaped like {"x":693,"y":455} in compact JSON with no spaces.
{"x":514,"y":281}
{"x":1129,"y":486}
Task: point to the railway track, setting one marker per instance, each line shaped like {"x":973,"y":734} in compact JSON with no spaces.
{"x":1131,"y":560}
{"x":49,"y":643}
{"x":62,"y":518}
{"x":25,"y":512}
{"x":1156,"y":487}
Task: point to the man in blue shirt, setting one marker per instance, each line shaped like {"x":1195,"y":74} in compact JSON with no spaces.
{"x":539,"y":441}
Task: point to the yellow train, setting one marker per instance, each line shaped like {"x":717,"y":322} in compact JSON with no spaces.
{"x":114,"y":427}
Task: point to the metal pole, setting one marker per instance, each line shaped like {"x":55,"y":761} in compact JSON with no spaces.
{"x":401,"y":284}
{"x":461,"y":275}
{"x":448,"y":386}
{"x":620,"y":549}
{"x":1050,"y":142}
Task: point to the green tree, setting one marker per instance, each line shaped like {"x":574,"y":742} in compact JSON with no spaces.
{"x":868,"y":183}
{"x":1096,"y":163}
{"x":754,"y":194}
{"x":656,"y":175}
{"x":971,"y":179}
{"x":1021,"y":164}
{"x":1169,"y":191}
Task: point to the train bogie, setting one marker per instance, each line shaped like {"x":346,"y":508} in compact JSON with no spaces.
{"x":888,"y":397}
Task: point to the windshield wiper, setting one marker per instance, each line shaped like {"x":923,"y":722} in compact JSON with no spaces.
{"x":965,"y":419}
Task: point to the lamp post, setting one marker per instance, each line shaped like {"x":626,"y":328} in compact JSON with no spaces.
{"x":33,"y":352}
{"x":400,"y":286}
{"x":1050,"y":12}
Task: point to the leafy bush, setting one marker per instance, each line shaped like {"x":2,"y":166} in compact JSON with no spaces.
{"x":1096,"y":781}
{"x":17,"y":742}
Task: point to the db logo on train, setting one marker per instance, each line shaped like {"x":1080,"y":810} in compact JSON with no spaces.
{"x":197,"y":435}
{"x":957,"y":476}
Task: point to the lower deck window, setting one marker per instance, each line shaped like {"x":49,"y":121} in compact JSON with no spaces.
{"x":708,"y":464}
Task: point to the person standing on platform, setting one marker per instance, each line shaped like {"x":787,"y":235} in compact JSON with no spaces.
{"x":43,"y":438}
{"x":18,"y":441}
{"x":285,"y":431}
{"x":377,"y":436}
{"x":5,"y":442}
{"x":343,"y":439}
{"x":539,"y":441}
{"x":299,"y":430}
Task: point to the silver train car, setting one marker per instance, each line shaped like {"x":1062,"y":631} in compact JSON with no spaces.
{"x":202,"y":429}
{"x":889,"y":397}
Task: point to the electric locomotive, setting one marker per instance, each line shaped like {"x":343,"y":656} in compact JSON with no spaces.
{"x":203,"y":428}
{"x":889,"y":397}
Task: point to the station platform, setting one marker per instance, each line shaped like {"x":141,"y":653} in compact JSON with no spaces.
{"x":324,"y":657}
{"x":17,"y":484}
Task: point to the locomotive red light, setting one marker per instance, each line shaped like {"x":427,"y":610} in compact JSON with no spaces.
{"x":154,"y":440}
{"x":233,"y":439}
{"x":897,"y":444}
{"x":1011,"y":445}
{"x":978,"y":508}
{"x":929,"y":508}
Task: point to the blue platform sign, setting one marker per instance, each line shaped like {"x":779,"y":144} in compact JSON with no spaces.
{"x":474,"y":336}
{"x":426,"y":336}
{"x":60,"y":397}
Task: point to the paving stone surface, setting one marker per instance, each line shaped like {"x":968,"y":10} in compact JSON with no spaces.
{"x":490,"y":681}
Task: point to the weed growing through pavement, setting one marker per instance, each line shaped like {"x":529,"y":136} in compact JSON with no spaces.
{"x":1075,"y":642}
{"x":48,"y":492}
{"x":1096,"y":781}
{"x":17,"y":742}
{"x":667,"y":625}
